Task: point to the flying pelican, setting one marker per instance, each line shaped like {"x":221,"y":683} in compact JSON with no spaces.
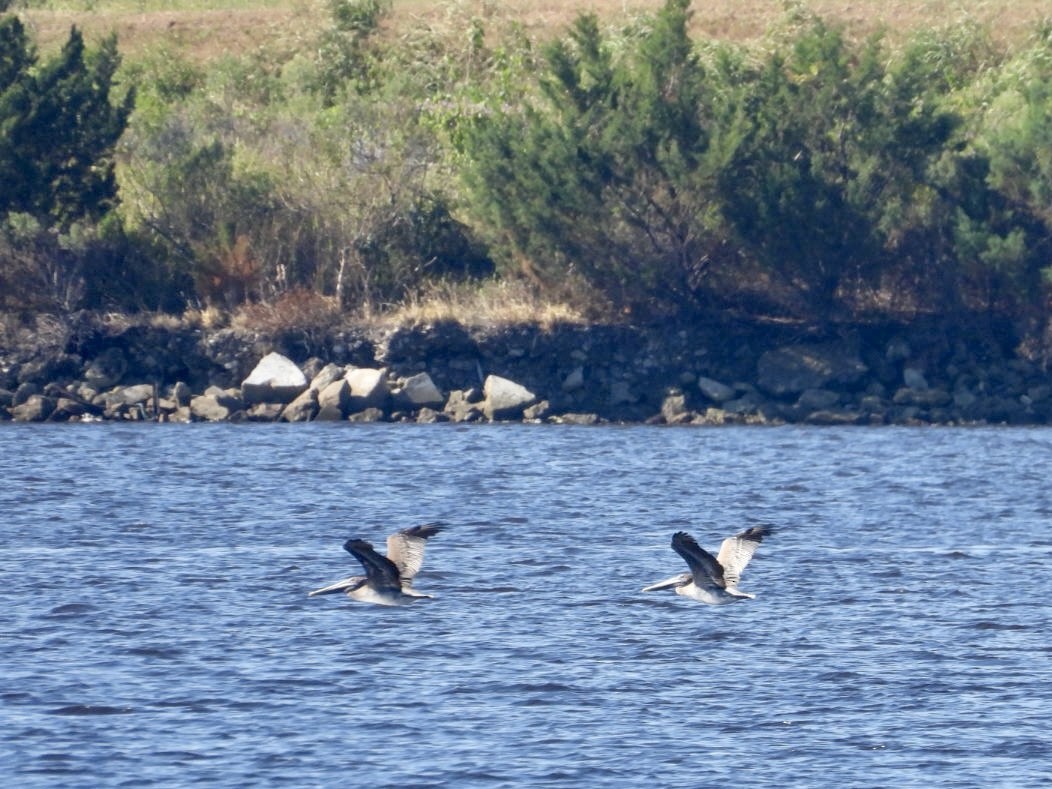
{"x":387,"y":580}
{"x":713,"y":580}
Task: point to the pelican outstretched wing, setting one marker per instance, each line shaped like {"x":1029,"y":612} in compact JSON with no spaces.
{"x":406,"y":549}
{"x":380,"y":571}
{"x":736,"y":551}
{"x":703,"y":565}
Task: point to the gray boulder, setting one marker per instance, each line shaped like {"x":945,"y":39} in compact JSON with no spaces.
{"x":914,"y":378}
{"x":302,"y":409}
{"x":715,"y":390}
{"x":817,"y":399}
{"x":264,"y":412}
{"x":463,"y":406}
{"x":139,"y":394}
{"x":325,"y":376}
{"x":427,"y":416}
{"x":24,"y":391}
{"x":505,"y":399}
{"x":793,"y":369}
{"x":367,"y":415}
{"x":276,"y":379}
{"x":368,"y":388}
{"x":207,"y":408}
{"x":574,"y":380}
{"x":419,"y":391}
{"x":334,"y":401}
{"x":36,"y":408}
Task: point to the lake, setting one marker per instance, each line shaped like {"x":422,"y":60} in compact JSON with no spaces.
{"x":157,"y":630}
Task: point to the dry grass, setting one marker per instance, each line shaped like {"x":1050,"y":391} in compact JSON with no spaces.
{"x":207,"y":29}
{"x":494,"y":304}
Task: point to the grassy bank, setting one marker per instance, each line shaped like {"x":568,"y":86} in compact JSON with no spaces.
{"x":209,"y":29}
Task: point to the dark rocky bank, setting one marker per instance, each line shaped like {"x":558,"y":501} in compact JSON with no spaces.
{"x":87,"y":370}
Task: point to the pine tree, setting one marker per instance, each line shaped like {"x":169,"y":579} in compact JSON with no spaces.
{"x":58,"y":129}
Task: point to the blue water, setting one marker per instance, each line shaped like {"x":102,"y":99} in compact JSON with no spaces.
{"x":156,"y":629}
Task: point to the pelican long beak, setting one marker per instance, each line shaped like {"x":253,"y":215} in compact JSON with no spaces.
{"x":339,"y":586}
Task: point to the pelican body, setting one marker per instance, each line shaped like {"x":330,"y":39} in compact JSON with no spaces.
{"x":388,"y":580}
{"x":713,"y":579}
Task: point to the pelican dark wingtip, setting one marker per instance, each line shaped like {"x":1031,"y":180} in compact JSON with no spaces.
{"x":355,"y":543}
{"x":425,"y":530}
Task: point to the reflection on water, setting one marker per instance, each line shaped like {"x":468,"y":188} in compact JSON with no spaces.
{"x":157,"y":629}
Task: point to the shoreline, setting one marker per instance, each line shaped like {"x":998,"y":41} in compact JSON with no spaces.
{"x":714,"y":374}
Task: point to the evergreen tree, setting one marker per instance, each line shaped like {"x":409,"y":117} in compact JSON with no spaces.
{"x":58,"y":129}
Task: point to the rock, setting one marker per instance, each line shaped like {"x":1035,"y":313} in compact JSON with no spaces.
{"x":817,"y":399}
{"x":715,"y":390}
{"x":230,"y":398}
{"x":24,"y":392}
{"x":419,"y":391}
{"x":505,"y":399}
{"x":898,"y":350}
{"x":674,"y":409}
{"x":107,"y":369}
{"x":792,"y":369}
{"x":368,"y":388}
{"x":621,"y":394}
{"x":573,"y":381}
{"x":36,"y":408}
{"x":429,"y":416}
{"x":922,"y":398}
{"x":749,"y":403}
{"x":326,"y":375}
{"x":276,"y":379}
{"x":207,"y":408}
{"x":577,"y":419}
{"x":329,"y":413}
{"x":334,"y":400}
{"x":181,"y":393}
{"x":7,"y":398}
{"x":537,"y":412}
{"x":914,"y":378}
{"x":462,"y":406}
{"x":264,"y":412}
{"x":139,"y":394}
{"x":832,"y":416}
{"x":964,"y":399}
{"x":367,"y":415}
{"x":302,"y":409}
{"x":67,"y":410}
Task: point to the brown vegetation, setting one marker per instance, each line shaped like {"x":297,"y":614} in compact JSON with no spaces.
{"x":226,"y":27}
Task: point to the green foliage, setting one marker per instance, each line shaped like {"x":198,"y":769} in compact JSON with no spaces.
{"x":345,"y":56}
{"x":257,"y":186}
{"x":836,"y":173}
{"x":810,"y":174}
{"x":604,"y":173}
{"x":59,"y":129}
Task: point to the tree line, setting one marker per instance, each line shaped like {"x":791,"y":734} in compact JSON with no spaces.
{"x":637,"y":170}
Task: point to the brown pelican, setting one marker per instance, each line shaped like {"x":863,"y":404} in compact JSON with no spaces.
{"x":387,"y":580}
{"x":713,"y":579}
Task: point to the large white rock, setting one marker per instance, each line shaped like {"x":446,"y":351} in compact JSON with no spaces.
{"x":276,"y":379}
{"x":505,"y":399}
{"x":419,"y":391}
{"x":368,"y":388}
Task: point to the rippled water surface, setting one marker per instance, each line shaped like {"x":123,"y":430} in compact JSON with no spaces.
{"x":157,"y":632}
